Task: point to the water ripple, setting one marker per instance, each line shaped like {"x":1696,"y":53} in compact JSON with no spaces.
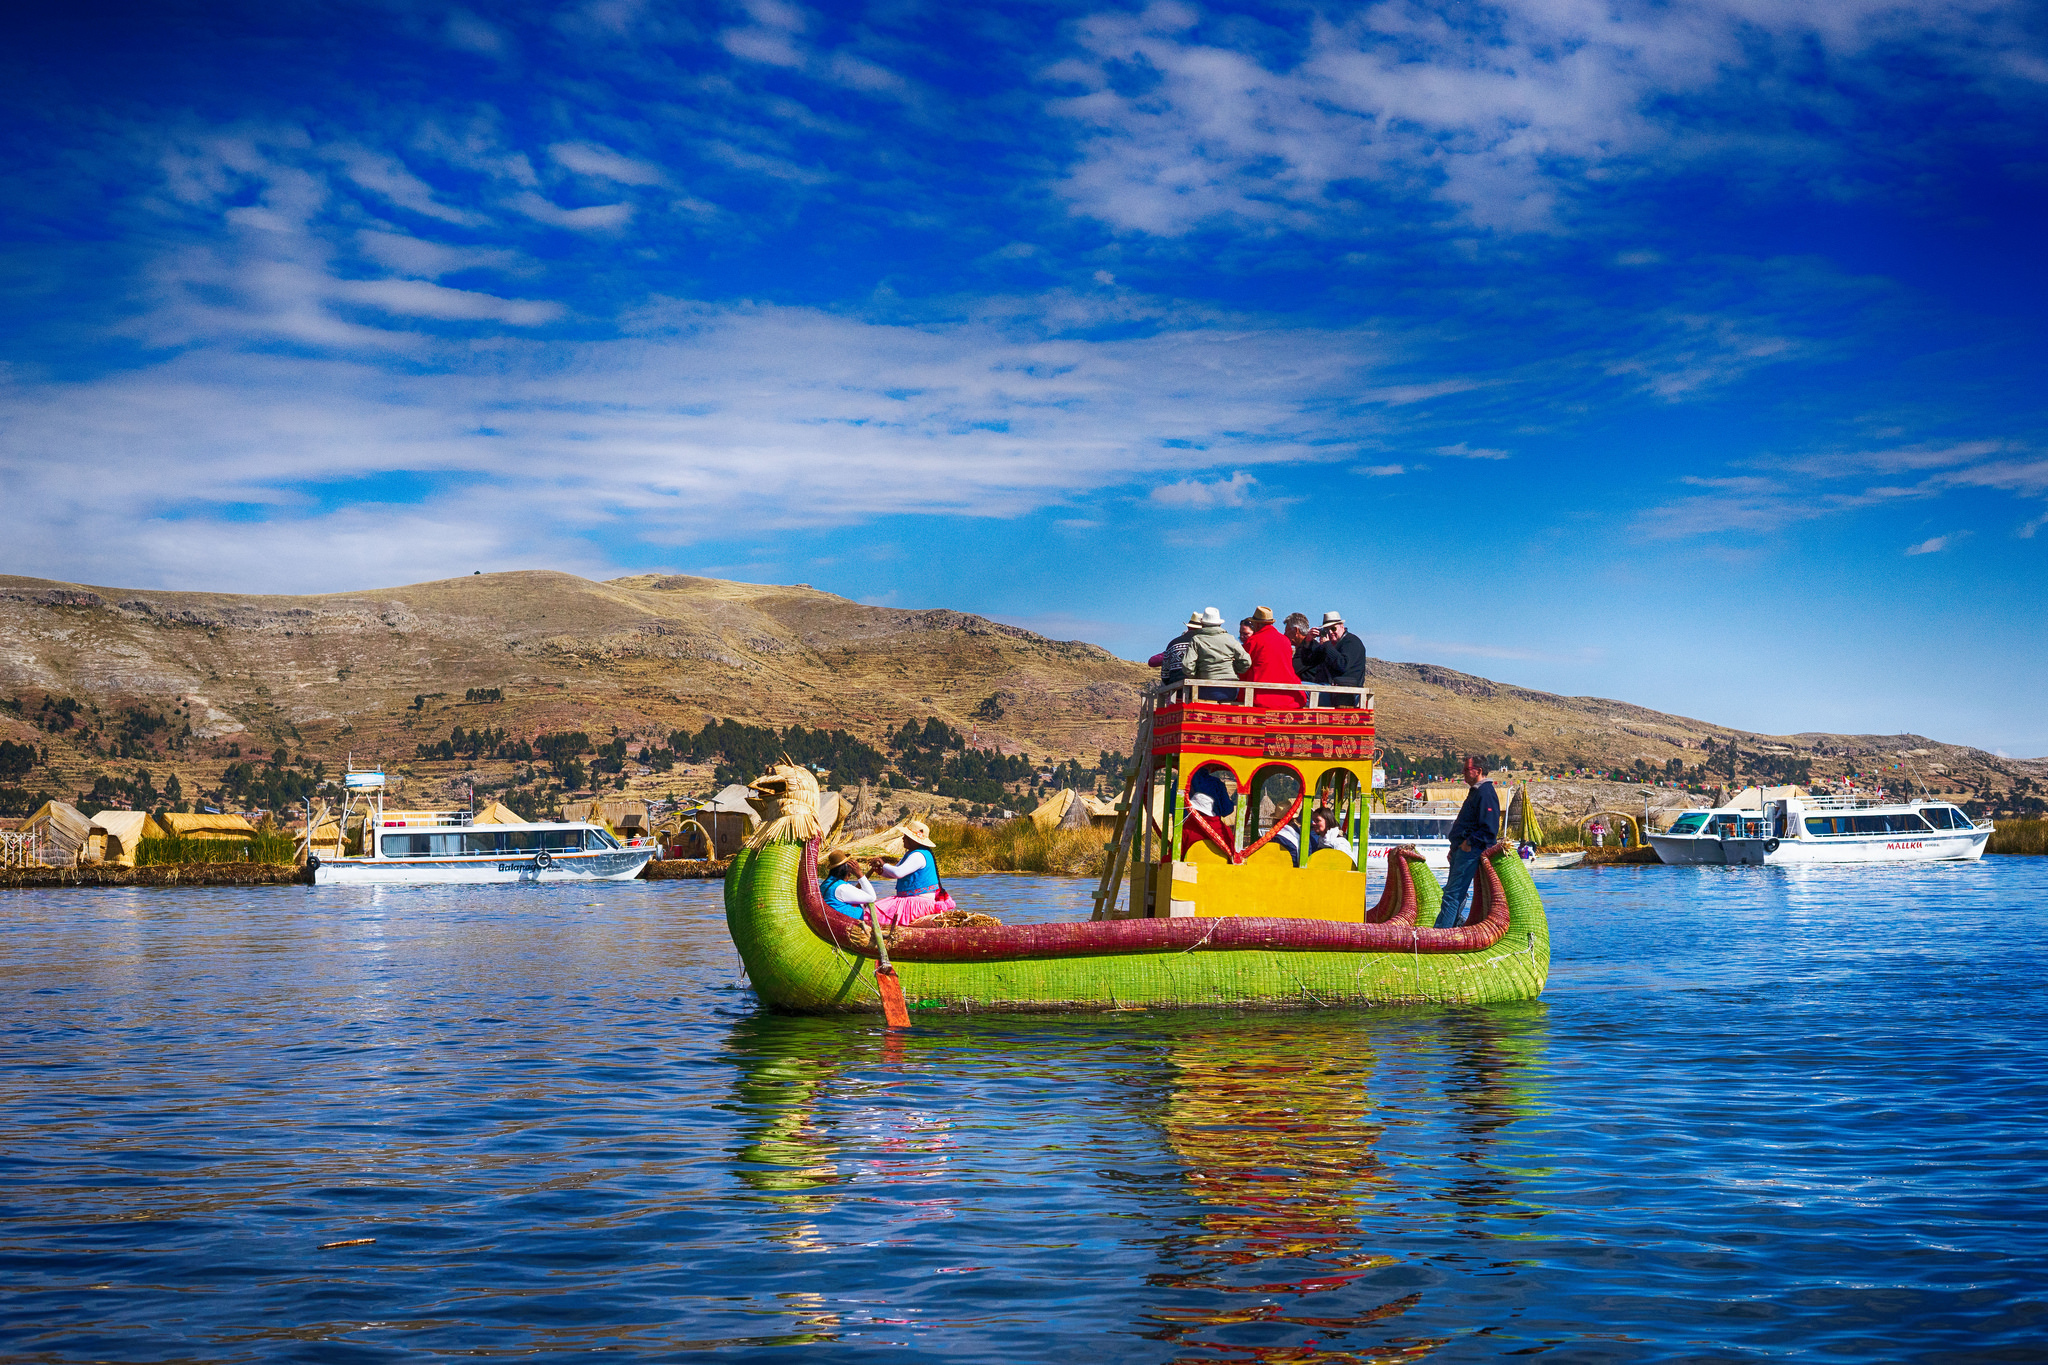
{"x":1760,"y":1112}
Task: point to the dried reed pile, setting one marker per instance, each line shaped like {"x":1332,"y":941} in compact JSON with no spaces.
{"x":1021,"y":846}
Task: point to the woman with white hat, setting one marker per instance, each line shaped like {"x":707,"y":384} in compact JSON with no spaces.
{"x":919,"y":892}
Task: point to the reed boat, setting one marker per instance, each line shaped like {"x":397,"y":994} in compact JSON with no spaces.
{"x":1197,"y":908}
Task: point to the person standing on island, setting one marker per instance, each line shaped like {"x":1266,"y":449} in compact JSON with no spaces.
{"x":1476,"y":829}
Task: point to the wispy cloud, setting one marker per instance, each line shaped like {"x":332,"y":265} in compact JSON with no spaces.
{"x":1199,"y":495}
{"x":1934,"y":545}
{"x":586,"y":159}
{"x":1501,"y":115}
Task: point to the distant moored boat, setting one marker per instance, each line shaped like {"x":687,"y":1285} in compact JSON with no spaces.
{"x":1789,"y":825}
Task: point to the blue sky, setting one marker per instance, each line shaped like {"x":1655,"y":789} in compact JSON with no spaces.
{"x":1686,"y":354}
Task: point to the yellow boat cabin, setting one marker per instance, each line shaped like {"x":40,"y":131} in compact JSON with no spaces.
{"x":1238,"y":808}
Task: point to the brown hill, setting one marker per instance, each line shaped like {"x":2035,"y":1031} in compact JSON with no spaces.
{"x":375,"y":673}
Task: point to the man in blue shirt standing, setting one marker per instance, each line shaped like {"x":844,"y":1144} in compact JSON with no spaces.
{"x":1476,"y":829}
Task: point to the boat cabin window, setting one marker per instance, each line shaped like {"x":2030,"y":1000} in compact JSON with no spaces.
{"x":1689,"y":823}
{"x":1401,"y":829}
{"x":514,"y":843}
{"x":1946,"y":817}
{"x":1726,"y":826}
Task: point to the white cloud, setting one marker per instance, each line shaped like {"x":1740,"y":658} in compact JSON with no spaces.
{"x":766,"y":45}
{"x":417,"y":298}
{"x":388,"y":178}
{"x":1381,"y":471}
{"x":1934,"y":545}
{"x":702,"y":420}
{"x":595,"y":218}
{"x":1197,"y":495}
{"x":1464,"y":450}
{"x":471,"y":34}
{"x":588,"y":159}
{"x":1497,"y":113}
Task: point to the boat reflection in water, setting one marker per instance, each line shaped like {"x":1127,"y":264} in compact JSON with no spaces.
{"x":1314,"y":1148}
{"x":1312,"y":1189}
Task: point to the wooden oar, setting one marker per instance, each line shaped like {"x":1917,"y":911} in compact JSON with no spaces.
{"x":894,"y":1011}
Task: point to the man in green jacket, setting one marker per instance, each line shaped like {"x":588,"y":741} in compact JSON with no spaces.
{"x":1216,"y":653}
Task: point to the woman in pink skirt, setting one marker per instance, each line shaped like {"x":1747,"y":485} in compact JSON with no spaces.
{"x":919,"y":892}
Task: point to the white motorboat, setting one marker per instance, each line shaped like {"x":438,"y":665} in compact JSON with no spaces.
{"x":399,"y":847}
{"x":1553,"y":862}
{"x":1429,"y":835}
{"x":1787,"y":825}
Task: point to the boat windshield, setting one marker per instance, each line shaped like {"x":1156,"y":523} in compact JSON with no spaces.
{"x":1689,"y":823}
{"x":1400,"y":829}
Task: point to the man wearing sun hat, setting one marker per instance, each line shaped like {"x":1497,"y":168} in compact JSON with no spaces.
{"x":1338,"y":658}
{"x":1215,"y":652}
{"x":1172,"y":662}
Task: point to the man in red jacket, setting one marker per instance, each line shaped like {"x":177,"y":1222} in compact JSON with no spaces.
{"x":1272,"y":660}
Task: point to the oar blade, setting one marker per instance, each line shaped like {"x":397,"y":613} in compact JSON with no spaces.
{"x":894,"y":1011}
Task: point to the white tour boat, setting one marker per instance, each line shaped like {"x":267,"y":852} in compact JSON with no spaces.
{"x":1787,"y":825}
{"x":1429,"y":835}
{"x":401,"y":847}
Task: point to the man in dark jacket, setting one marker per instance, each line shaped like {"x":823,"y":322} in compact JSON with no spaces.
{"x":1172,"y":662}
{"x":1338,"y":658}
{"x":1308,"y":648}
{"x":1476,"y":829}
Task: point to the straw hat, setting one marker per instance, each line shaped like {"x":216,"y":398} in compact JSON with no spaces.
{"x":1211,"y":617}
{"x":1195,"y":617}
{"x":1262,"y":615}
{"x":919,"y":833}
{"x":1333,"y":618}
{"x":836,"y":859}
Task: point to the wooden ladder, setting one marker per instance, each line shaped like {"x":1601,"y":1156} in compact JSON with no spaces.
{"x":1137,"y":784}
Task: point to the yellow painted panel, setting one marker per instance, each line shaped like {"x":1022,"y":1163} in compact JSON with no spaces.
{"x":1330,"y":857}
{"x":1277,"y":889}
{"x":1272,"y":855}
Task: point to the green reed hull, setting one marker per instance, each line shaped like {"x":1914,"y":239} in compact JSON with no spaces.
{"x":795,"y":964}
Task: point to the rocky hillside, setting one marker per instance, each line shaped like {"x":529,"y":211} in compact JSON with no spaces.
{"x":149,"y":685}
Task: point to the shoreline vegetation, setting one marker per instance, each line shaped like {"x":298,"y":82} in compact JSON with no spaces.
{"x":965,"y":850}
{"x":2019,"y":836}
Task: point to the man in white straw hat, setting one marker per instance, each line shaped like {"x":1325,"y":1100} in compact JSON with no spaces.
{"x":1217,"y":653}
{"x":1337,"y":657}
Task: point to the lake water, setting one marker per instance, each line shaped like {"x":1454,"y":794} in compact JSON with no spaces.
{"x":1761,"y":1112}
